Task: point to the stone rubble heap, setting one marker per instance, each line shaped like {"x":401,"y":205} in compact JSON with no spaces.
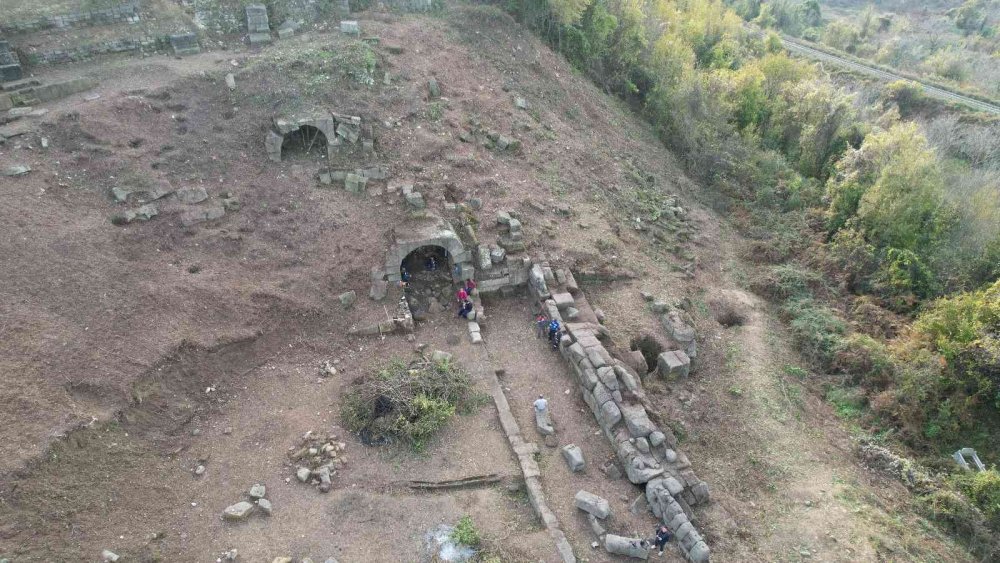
{"x":614,"y":393}
{"x":317,"y":460}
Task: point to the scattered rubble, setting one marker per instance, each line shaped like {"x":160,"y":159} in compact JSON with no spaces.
{"x":244,"y":509}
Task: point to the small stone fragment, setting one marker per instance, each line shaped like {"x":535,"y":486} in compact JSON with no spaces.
{"x":265,"y":506}
{"x":258,"y":491}
{"x":109,"y":556}
{"x":348,"y":298}
{"x":238,"y":512}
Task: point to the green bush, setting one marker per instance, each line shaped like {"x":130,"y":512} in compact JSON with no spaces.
{"x":409,"y":403}
{"x":787,"y":282}
{"x":818,"y":331}
{"x":864,"y":361}
{"x":465,"y":533}
{"x":983,"y":488}
{"x":849,"y":403}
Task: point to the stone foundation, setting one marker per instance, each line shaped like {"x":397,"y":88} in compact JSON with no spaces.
{"x":127,"y":12}
{"x":614,"y":393}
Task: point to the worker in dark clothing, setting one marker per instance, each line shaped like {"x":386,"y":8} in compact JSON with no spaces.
{"x":465,"y":310}
{"x":554,"y":333}
{"x":662,"y":537}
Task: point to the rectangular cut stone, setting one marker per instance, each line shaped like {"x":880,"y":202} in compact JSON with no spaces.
{"x":639,"y":425}
{"x":587,"y":376}
{"x":610,"y":415}
{"x":607,"y":377}
{"x":592,"y":504}
{"x":595,"y":357}
{"x":563,"y":300}
{"x":673,"y":364}
{"x":601,"y":394}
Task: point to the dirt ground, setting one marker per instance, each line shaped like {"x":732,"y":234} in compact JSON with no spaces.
{"x":130,"y":353}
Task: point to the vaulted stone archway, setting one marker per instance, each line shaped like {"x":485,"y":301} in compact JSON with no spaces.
{"x":433,"y":234}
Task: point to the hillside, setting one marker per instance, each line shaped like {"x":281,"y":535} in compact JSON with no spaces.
{"x":134,"y":353}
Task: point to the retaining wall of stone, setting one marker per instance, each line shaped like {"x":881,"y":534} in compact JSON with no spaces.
{"x":125,"y":13}
{"x":133,"y":45}
{"x":614,"y":393}
{"x":525,"y":452}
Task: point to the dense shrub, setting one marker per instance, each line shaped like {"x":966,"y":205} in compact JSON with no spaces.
{"x":983,"y":488}
{"x":864,"y":361}
{"x":818,"y":331}
{"x":786,"y":281}
{"x":406,"y":402}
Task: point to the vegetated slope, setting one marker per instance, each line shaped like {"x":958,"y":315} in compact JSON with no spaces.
{"x":98,"y":313}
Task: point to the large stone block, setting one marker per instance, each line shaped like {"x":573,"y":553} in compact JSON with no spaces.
{"x":673,"y":364}
{"x":610,"y":415}
{"x":592,"y":504}
{"x":563,"y":300}
{"x":699,"y":553}
{"x":574,"y":457}
{"x":629,"y":547}
{"x":607,"y":376}
{"x":639,"y":425}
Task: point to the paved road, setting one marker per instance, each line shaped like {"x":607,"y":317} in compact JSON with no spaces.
{"x":798,"y":47}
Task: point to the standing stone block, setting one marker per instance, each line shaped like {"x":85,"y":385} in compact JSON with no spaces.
{"x":699,"y":553}
{"x":185,"y":44}
{"x":673,"y":364}
{"x":258,"y":27}
{"x":355,"y":183}
{"x":592,"y":504}
{"x":10,"y":65}
{"x":350,"y":27}
{"x":574,"y":457}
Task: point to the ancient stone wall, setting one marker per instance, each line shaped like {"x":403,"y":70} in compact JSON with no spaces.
{"x":614,"y":393}
{"x":411,"y":5}
{"x":125,"y":13}
{"x":136,"y":45}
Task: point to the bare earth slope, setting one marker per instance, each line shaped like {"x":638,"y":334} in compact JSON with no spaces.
{"x":167,"y":346}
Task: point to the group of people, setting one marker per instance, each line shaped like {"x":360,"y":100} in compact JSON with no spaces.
{"x":551,"y":328}
{"x":465,"y":306}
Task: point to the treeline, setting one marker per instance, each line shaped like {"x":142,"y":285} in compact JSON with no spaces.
{"x":886,"y":272}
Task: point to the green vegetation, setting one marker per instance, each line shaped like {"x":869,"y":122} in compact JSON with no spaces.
{"x":940,"y":45}
{"x":465,"y":533}
{"x":406,"y":402}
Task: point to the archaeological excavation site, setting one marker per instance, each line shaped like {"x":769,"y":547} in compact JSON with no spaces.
{"x":326,"y":281}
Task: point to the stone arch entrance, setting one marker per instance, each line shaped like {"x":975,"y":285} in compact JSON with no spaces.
{"x":430,"y":283}
{"x":426,"y":259}
{"x":307,"y":141}
{"x":438,"y":235}
{"x":301,"y":126}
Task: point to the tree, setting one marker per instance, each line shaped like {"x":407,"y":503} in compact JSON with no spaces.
{"x":568,"y":12}
{"x":904,"y":207}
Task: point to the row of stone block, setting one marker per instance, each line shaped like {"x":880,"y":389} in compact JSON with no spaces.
{"x":648,"y":454}
{"x":127,"y":12}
